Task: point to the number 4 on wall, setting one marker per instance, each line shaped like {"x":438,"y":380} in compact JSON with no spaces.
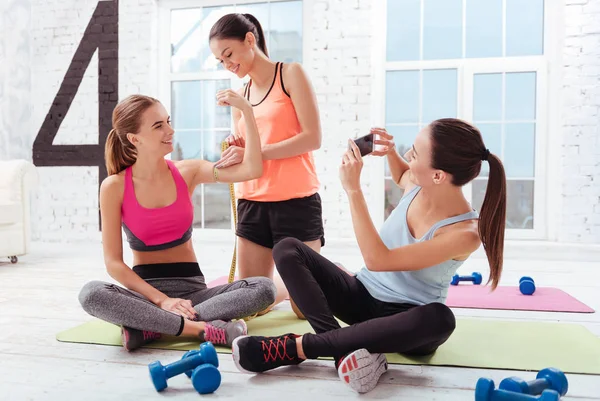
{"x":101,"y":33}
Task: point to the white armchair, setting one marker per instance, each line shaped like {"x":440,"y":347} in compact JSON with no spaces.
{"x":17,"y":178}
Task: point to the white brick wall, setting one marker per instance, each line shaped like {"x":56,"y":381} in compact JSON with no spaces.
{"x":67,"y":198}
{"x":64,"y":200}
{"x":580,"y":214}
{"x":340,"y":68}
{"x":15,"y":80}
{"x":339,"y":64}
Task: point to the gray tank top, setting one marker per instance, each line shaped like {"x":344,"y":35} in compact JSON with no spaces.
{"x":416,"y":287}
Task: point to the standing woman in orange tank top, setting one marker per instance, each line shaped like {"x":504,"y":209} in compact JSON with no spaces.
{"x":284,"y":201}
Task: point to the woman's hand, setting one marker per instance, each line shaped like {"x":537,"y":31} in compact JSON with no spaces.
{"x":385,"y":140}
{"x":182,"y":307}
{"x":352,"y":163}
{"x":229,"y":97}
{"x":232,"y":155}
{"x":233,"y":140}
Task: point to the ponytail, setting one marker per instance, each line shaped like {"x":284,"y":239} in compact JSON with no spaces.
{"x":458,"y":149}
{"x":119,"y":153}
{"x":262,"y":42}
{"x":492,"y":218}
{"x":236,"y":26}
{"x":118,"y":156}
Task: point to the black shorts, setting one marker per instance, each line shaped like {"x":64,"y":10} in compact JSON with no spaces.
{"x":267,"y":223}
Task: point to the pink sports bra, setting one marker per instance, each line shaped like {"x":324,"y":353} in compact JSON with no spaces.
{"x":157,"y":228}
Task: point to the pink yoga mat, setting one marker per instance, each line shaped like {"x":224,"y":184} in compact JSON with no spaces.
{"x":509,"y":298}
{"x":219,"y":281}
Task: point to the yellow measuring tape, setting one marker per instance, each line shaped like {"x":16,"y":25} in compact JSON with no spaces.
{"x":224,"y":146}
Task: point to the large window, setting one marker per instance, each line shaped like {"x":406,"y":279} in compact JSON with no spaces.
{"x":193,"y":76}
{"x":478,"y":60}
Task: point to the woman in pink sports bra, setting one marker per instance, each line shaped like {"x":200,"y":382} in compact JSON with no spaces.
{"x":149,"y":198}
{"x":284,"y":202}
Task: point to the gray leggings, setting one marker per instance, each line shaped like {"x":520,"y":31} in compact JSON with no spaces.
{"x":121,"y":306}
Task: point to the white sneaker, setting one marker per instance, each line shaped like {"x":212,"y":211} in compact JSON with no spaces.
{"x":361,"y":370}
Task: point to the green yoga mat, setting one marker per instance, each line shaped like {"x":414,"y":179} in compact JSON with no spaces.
{"x":475,"y":343}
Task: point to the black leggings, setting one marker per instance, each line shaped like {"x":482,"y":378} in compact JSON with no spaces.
{"x":321,"y":290}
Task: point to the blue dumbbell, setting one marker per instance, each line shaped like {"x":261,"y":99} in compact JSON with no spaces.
{"x":206,"y":379}
{"x":475,"y":278}
{"x":204,"y":356}
{"x":549,"y":378}
{"x":211,"y":356}
{"x":484,"y":391}
{"x":526,"y":285}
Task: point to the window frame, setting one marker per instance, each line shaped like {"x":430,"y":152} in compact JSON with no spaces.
{"x":529,"y":64}
{"x":166,"y":77}
{"x":547,"y":158}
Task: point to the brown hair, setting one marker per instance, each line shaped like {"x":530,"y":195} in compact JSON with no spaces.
{"x":458,"y":149}
{"x":236,"y":26}
{"x":119,"y":153}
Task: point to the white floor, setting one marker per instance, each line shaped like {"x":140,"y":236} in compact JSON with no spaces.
{"x":38,"y":298}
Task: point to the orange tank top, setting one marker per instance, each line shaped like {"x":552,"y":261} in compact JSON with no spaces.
{"x":276,"y":119}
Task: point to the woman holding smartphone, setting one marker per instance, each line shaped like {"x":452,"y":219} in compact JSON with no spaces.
{"x":396,"y":302}
{"x":284,"y":201}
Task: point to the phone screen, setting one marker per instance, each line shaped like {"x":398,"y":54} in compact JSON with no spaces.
{"x":365,"y":144}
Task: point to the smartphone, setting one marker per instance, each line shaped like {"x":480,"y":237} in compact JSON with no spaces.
{"x":365,"y":144}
